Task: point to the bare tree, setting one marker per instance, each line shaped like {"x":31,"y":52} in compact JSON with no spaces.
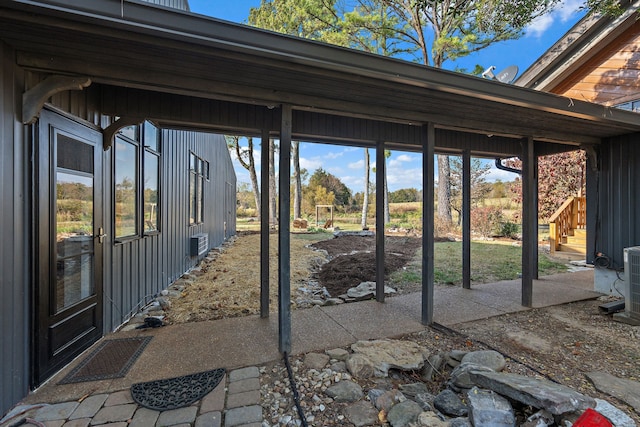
{"x":297,"y":179}
{"x":245,"y":157}
{"x":273,"y":192}
{"x":365,"y":201}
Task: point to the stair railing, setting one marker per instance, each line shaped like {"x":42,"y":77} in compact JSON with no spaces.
{"x":570,"y":216}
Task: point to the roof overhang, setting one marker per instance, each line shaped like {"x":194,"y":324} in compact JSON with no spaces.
{"x":137,"y":45}
{"x":584,"y":40}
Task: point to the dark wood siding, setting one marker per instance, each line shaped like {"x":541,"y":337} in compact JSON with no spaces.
{"x":14,"y":255}
{"x":143,"y":267}
{"x":617,"y":225}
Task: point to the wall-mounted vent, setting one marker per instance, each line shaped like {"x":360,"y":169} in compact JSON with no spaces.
{"x":199,"y":244}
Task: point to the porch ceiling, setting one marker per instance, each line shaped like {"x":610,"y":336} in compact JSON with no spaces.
{"x":142,"y":46}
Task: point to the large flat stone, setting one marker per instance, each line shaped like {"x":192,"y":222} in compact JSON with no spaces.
{"x":387,"y":354}
{"x":541,"y":394}
{"x":626,"y":390}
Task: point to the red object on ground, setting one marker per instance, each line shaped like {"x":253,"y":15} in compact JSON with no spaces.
{"x":592,"y":418}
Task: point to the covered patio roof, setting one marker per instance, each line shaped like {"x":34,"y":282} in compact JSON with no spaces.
{"x":137,"y":45}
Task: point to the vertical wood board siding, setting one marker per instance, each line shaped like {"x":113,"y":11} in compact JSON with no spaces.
{"x":14,"y":251}
{"x":618,"y":208}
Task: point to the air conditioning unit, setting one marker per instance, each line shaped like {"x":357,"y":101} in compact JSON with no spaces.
{"x":632,"y":282}
{"x":199,"y":244}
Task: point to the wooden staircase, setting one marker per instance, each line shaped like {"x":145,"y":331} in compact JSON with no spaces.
{"x":567,"y":227}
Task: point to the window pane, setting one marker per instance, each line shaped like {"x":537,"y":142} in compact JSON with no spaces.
{"x":150,"y":136}
{"x":151,"y":162}
{"x":200,"y":199}
{"x":130,"y":132}
{"x":192,"y":162}
{"x":192,"y":198}
{"x":125,"y":192}
{"x":74,"y":155}
{"x":74,"y":239}
{"x":206,"y":170}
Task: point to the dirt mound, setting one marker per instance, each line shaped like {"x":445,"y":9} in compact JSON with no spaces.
{"x":353,"y":260}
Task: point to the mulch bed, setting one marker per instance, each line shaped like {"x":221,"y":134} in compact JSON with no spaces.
{"x":353,"y":260}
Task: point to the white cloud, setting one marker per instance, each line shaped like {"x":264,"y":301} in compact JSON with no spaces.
{"x":496,"y":174}
{"x":540,"y":25}
{"x":333,"y":155}
{"x":563,"y":12}
{"x":402,"y":158}
{"x":357,"y":165}
{"x":310,"y":164}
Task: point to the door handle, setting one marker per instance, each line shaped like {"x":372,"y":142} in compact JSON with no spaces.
{"x":101,"y":235}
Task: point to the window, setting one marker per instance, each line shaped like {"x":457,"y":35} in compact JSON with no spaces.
{"x":136,"y":172}
{"x":198,"y":172}
{"x":630,"y":106}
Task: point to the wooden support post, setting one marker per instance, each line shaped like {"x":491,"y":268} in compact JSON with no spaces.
{"x":466,"y":219}
{"x":529,"y":221}
{"x":428,"y":151}
{"x":264,"y":224}
{"x":380,"y":195}
{"x":284,"y":237}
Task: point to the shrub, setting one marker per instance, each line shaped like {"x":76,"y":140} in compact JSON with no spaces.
{"x":509,"y":229}
{"x":486,"y":220}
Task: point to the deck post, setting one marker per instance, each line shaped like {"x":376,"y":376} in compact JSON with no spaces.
{"x":264,"y":224}
{"x":380,"y":196}
{"x":529,"y":220}
{"x":284,"y":237}
{"x":466,"y":219}
{"x":428,"y":151}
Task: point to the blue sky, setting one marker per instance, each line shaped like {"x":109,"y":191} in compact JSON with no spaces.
{"x":404,"y":169}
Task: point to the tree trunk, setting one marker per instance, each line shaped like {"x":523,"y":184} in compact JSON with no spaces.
{"x":444,"y":189}
{"x":365,"y":201}
{"x":297,"y":189}
{"x":254,"y":182}
{"x":273,"y":213}
{"x":387,"y":213}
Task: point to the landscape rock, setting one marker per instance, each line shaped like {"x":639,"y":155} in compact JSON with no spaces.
{"x":386,"y":354}
{"x":542,"y":394}
{"x":489,"y":409}
{"x":404,"y":413}
{"x":413,"y":389}
{"x":432,"y":366}
{"x":626,"y":390}
{"x":460,"y":378}
{"x":361,"y":414}
{"x":360,"y":366}
{"x":366,"y":290}
{"x":345,"y":391}
{"x":430,"y":419}
{"x":617,"y":417}
{"x":339,"y":367}
{"x":488,"y":358}
{"x":316,"y":360}
{"x":460,"y":422}
{"x":338,"y":353}
{"x":450,"y":404}
{"x":425,"y":400}
{"x":388,"y":399}
{"x":541,"y":418}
